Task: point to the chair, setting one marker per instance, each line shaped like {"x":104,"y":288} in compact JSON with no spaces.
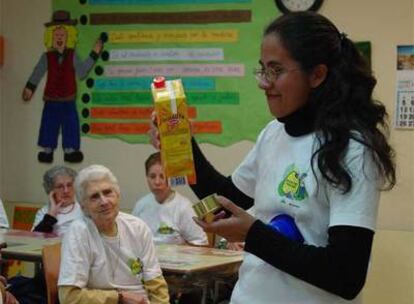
{"x":51,"y":266}
{"x":22,"y":219}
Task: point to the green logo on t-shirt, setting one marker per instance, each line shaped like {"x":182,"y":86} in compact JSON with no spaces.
{"x":165,"y":229}
{"x":293,"y":186}
{"x":136,"y":266}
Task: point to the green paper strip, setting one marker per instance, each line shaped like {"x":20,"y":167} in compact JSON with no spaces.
{"x":158,"y":2}
{"x":145,"y":98}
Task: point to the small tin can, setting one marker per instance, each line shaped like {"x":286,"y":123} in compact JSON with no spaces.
{"x":206,"y":208}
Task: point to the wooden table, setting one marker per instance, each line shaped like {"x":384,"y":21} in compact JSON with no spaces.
{"x":187,"y":266}
{"x":25,"y":245}
{"x":179,"y":259}
{"x":183,"y":266}
{"x":182,"y":259}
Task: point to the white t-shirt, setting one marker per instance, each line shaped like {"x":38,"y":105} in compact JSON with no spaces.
{"x":64,"y":219}
{"x":277,"y":173}
{"x":172,"y":221}
{"x":90,"y":260}
{"x":4,"y":221}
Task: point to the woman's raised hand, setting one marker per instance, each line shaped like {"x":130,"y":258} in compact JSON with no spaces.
{"x":153,"y":132}
{"x":233,"y":228}
{"x":54,"y":205}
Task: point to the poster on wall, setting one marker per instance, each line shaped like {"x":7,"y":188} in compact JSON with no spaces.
{"x":212,"y":45}
{"x":62,"y":65}
{"x":404,"y":112}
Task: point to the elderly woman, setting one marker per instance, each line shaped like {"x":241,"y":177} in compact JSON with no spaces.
{"x":62,"y":208}
{"x":108,"y":256}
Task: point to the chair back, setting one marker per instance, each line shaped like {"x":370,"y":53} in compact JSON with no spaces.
{"x":51,"y":266}
{"x":23,"y":217}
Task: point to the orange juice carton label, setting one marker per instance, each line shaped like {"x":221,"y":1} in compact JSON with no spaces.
{"x":174,"y":129}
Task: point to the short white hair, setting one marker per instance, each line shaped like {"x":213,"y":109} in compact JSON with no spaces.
{"x":93,"y":173}
{"x":51,"y":174}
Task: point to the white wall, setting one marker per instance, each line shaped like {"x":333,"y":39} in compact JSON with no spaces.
{"x":22,"y":21}
{"x":386,"y":26}
{"x":391,"y":270}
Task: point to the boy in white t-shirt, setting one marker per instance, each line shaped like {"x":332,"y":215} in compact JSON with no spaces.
{"x":168,"y":213}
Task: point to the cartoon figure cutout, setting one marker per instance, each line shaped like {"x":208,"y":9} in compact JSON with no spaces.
{"x":62,"y":65}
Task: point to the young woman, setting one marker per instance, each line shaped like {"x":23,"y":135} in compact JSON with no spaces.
{"x":322,"y":162}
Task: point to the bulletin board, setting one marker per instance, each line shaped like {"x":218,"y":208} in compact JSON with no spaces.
{"x":212,"y":45}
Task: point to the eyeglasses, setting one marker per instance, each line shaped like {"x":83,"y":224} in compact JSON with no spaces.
{"x":271,"y":74}
{"x":62,"y":187}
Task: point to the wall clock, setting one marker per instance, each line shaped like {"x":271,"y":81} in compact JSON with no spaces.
{"x":288,"y":6}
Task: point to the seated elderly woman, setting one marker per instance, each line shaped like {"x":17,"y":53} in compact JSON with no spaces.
{"x":54,"y":217}
{"x":108,"y":256}
{"x":61,"y":209}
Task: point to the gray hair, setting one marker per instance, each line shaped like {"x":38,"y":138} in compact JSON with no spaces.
{"x":93,"y":173}
{"x":52,"y":173}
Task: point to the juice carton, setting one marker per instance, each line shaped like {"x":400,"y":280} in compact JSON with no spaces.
{"x":174,"y":128}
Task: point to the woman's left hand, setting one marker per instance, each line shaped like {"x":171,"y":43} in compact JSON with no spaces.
{"x":10,"y":299}
{"x":234,"y":228}
{"x":130,"y":297}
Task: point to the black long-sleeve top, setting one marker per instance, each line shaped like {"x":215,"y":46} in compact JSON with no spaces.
{"x":46,"y":224}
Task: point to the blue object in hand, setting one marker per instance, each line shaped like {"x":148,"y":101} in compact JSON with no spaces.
{"x":285,"y":225}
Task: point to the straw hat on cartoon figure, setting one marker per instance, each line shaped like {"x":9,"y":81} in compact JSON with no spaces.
{"x":61,"y":32}
{"x":63,"y":66}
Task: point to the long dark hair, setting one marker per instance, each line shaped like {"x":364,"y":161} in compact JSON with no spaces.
{"x":343,"y":103}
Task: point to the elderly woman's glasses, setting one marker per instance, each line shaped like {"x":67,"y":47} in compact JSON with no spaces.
{"x":62,"y":187}
{"x":271,"y":74}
